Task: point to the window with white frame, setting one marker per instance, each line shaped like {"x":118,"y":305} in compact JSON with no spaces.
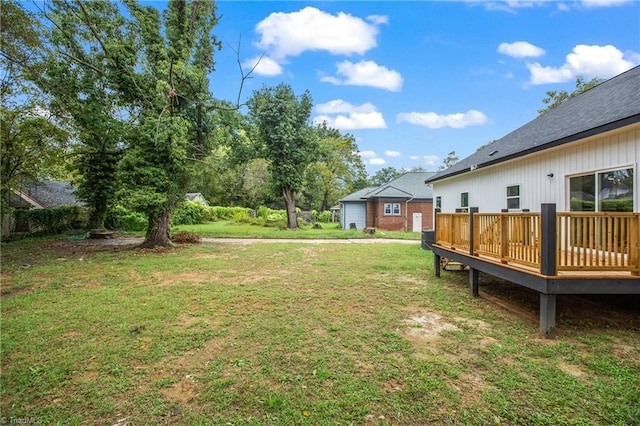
{"x":438,"y":202}
{"x":392,"y":209}
{"x":513,"y":197}
{"x":464,"y":201}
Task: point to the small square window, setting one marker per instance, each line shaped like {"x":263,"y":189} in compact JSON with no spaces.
{"x":392,"y":209}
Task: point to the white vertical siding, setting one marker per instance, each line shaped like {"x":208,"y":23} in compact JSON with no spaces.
{"x":487,"y":187}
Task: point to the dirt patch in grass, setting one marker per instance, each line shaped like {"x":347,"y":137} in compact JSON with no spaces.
{"x":426,"y":326}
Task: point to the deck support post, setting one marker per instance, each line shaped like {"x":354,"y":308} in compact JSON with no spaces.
{"x":548,"y":242}
{"x":436,"y":257}
{"x":548,"y":315}
{"x":474,"y":281}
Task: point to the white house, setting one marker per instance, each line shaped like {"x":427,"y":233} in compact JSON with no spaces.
{"x":572,"y":176}
{"x":585,"y":150}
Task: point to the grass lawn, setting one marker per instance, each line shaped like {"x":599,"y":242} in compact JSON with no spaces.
{"x":245,"y":230}
{"x":291,"y":334}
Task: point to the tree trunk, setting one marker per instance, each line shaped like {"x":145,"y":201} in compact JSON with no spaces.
{"x":290,"y":201}
{"x":97,"y":215}
{"x":158,"y":231}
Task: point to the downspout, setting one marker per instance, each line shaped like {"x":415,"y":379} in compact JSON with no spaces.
{"x":406,"y":213}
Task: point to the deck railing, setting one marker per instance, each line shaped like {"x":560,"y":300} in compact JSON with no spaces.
{"x":584,"y":241}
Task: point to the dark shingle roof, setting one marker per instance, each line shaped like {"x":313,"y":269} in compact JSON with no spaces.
{"x":409,"y":185}
{"x":359,"y":195}
{"x":612,"y":104}
{"x":49,"y":194}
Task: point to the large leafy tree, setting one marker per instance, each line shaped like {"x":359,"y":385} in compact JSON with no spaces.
{"x":282,"y":120}
{"x":384,"y":175}
{"x":336,"y":170}
{"x":78,"y":76}
{"x":33,"y":144}
{"x":163,"y":75}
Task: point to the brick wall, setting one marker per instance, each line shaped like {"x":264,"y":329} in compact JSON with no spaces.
{"x":377,"y":219}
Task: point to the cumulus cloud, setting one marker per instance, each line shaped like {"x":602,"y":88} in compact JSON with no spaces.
{"x":520,"y":49}
{"x":370,"y":157}
{"x":284,"y":35}
{"x":434,"y":120}
{"x":377,"y":161}
{"x":393,"y":154}
{"x":342,"y":115}
{"x":366,"y":73}
{"x":263,"y":66}
{"x":585,"y":61}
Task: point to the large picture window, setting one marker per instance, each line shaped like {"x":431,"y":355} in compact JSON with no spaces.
{"x":392,"y":209}
{"x":609,"y":191}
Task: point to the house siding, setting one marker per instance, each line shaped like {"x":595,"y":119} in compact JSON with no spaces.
{"x":487,"y":186}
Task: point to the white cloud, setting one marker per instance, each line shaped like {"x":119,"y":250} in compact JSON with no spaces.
{"x":393,"y":154}
{"x":370,"y":157}
{"x":378,"y":19}
{"x":520,"y":49}
{"x":342,"y":115}
{"x":431,"y":160}
{"x":414,"y":157}
{"x":604,"y":3}
{"x":366,"y":73}
{"x":367,"y":154}
{"x":290,"y":34}
{"x":433,"y":120}
{"x":263,"y":66}
{"x":585,"y":61}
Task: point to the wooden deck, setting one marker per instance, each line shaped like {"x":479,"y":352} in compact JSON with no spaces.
{"x":552,"y":253}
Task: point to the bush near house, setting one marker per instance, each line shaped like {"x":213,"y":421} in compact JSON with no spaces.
{"x":52,"y":220}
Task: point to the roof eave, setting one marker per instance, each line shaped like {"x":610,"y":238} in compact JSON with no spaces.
{"x":568,"y":139}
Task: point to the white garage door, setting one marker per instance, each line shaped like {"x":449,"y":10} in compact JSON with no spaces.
{"x":354,"y":213}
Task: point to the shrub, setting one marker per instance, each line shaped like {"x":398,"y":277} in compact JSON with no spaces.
{"x":121,"y":219}
{"x":53,"y":220}
{"x":325,"y":216}
{"x":190,"y":213}
{"x":225,"y":213}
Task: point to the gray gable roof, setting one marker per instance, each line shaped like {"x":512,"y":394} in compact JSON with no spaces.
{"x":409,"y":185}
{"x":359,"y":195}
{"x":47,"y":194}
{"x":610,"y":105}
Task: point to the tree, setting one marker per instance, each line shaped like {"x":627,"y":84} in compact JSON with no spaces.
{"x":77,"y":76}
{"x":451,"y":159}
{"x":282,"y":122}
{"x":337,"y":167}
{"x":32,"y":143}
{"x":384,"y":175}
{"x":162,"y":73}
{"x":555,"y":98}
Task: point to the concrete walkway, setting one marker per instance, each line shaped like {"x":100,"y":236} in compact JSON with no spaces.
{"x":309,"y":241}
{"x":246,"y":241}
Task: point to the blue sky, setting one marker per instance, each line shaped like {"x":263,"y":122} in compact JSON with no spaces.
{"x":412,"y":81}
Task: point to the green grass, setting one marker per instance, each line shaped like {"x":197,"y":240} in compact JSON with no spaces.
{"x":246,"y":230}
{"x":288,"y":334}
